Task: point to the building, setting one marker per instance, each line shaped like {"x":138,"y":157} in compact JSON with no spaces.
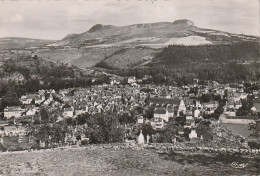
{"x":165,"y":101}
{"x":236,"y":119}
{"x":231,"y":112}
{"x":140,"y":120}
{"x":196,"y":113}
{"x":31,"y":111}
{"x":190,"y":122}
{"x":23,"y":119}
{"x":14,"y":111}
{"x":68,"y":112}
{"x":131,"y":80}
{"x":157,"y":123}
{"x":170,"y":112}
{"x":211,"y":105}
{"x":162,"y":114}
{"x":27,"y":99}
{"x":193,"y":134}
{"x":13,"y":130}
{"x":182,"y":107}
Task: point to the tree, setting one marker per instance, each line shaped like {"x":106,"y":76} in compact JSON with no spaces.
{"x":70,"y":122}
{"x":33,"y":101}
{"x":116,"y":135}
{"x":205,"y":98}
{"x":81,"y":120}
{"x":203,"y":129}
{"x":10,"y":99}
{"x":147,"y":129}
{"x":171,"y":130}
{"x":254,"y":127}
{"x":187,"y":131}
{"x":218,"y":111}
{"x":181,"y":120}
{"x":44,"y":116}
{"x":159,"y":78}
{"x":125,"y":119}
{"x":149,"y":113}
{"x":246,"y":106}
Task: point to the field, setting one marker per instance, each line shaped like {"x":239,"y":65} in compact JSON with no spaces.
{"x":130,"y":56}
{"x":81,"y":161}
{"x":82,"y":58}
{"x":240,"y":129}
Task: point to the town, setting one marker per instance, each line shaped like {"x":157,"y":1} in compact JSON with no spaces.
{"x":125,"y":110}
{"x":142,"y":87}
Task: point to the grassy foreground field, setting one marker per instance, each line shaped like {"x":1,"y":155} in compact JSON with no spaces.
{"x":95,"y":162}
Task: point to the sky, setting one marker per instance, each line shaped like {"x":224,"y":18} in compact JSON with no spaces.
{"x":54,"y":19}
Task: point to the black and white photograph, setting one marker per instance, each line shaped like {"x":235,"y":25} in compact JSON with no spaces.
{"x":129,"y":87}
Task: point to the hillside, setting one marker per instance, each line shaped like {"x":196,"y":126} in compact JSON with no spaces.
{"x":13,"y":42}
{"x":146,"y":45}
{"x":81,"y":161}
{"x":127,"y":58}
{"x":82,"y":58}
{"x":242,"y":51}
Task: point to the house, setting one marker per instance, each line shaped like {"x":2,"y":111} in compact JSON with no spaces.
{"x":182,"y":107}
{"x":162,"y":114}
{"x":14,"y":111}
{"x":193,"y":134}
{"x":140,"y":120}
{"x":196,"y":113}
{"x":13,"y":130}
{"x":189,"y":102}
{"x":230,"y":104}
{"x":115,"y":81}
{"x":256,"y":93}
{"x":39,"y":99}
{"x":239,"y":96}
{"x":230,"y":112}
{"x":198,"y":104}
{"x":190,"y":122}
{"x":170,"y":112}
{"x":238,"y":104}
{"x":79,"y":111}
{"x":211,"y":104}
{"x":210,"y":107}
{"x":165,"y":94}
{"x":131,"y":80}
{"x":163,"y":101}
{"x":27,"y":99}
{"x":157,"y":123}
{"x":23,"y":119}
{"x":68,"y":112}
{"x":31,"y":111}
{"x":147,"y":77}
{"x":47,"y":102}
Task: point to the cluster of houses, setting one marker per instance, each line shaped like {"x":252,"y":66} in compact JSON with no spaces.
{"x":167,"y":102}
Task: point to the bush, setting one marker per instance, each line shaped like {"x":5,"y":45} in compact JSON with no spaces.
{"x":84,"y":142}
{"x":254,"y":145}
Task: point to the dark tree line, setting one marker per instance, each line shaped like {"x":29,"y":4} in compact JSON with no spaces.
{"x":218,"y":53}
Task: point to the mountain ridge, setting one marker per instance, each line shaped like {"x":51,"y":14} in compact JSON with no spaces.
{"x":154,"y":35}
